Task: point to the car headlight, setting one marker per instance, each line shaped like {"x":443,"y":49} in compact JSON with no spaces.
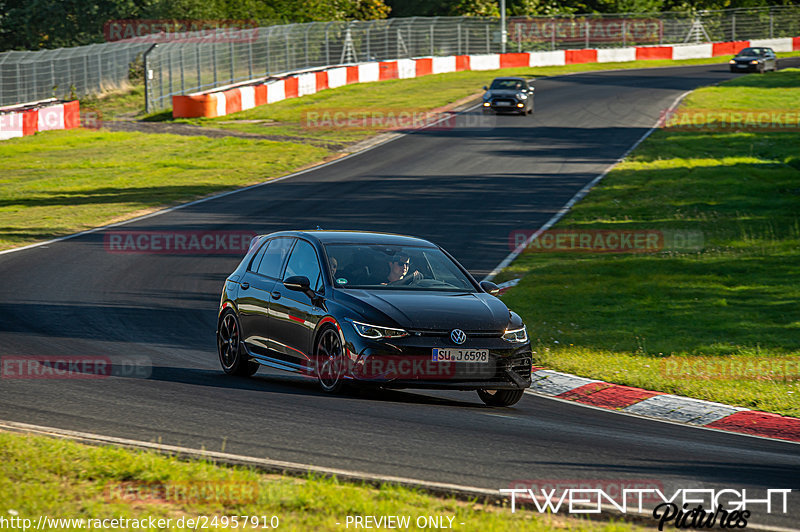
{"x":516,"y":336}
{"x":376,"y":332}
{"x":754,"y":62}
{"x":732,"y":61}
{"x":522,"y":96}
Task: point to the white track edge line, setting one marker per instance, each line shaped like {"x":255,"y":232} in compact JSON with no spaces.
{"x":578,"y":196}
{"x":267,"y":464}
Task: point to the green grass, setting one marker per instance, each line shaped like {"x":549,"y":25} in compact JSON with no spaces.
{"x":616,"y":317}
{"x":48,"y":477}
{"x":59,"y":182}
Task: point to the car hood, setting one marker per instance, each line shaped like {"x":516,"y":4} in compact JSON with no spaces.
{"x":747,"y":57}
{"x":435,"y":310}
{"x":502,"y":92}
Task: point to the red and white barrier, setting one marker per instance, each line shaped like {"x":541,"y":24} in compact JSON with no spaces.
{"x":225,"y":101}
{"x":27,"y":119}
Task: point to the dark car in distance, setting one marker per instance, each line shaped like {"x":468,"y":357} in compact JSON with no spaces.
{"x":754,"y":59}
{"x":370,"y":308}
{"x":508,"y":95}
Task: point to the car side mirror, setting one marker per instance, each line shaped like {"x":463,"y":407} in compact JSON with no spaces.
{"x":490,"y":287}
{"x":485,"y":88}
{"x":298,"y":283}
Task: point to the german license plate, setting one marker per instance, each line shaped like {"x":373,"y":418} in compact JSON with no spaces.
{"x":461,"y":355}
{"x":503,"y":104}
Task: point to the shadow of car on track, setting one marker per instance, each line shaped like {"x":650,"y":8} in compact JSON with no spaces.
{"x":296,"y":385}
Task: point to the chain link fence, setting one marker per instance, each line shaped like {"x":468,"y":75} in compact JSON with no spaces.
{"x":66,"y":72}
{"x":182,"y":63}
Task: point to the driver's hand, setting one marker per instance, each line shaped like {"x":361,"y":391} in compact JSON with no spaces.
{"x":416,"y":276}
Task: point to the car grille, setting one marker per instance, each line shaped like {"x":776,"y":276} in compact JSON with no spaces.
{"x":520,"y":366}
{"x":435,"y":333}
{"x":508,"y":101}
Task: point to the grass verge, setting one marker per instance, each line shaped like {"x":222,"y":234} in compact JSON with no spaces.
{"x":60,"y":182}
{"x":61,"y":479}
{"x":721,"y":323}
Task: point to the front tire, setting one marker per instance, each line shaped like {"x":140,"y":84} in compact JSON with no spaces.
{"x":500,"y":397}
{"x":330,"y":360}
{"x":232,"y":355}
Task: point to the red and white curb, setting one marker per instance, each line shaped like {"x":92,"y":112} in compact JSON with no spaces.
{"x":663,"y":406}
{"x":47,"y":115}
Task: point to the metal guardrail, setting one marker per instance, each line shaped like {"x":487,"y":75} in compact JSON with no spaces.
{"x":182,"y":63}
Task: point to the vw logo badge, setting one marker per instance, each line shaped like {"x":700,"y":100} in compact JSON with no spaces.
{"x":458,"y":336}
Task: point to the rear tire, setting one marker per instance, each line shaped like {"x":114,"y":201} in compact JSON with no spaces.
{"x":232,"y":356}
{"x":500,"y":397}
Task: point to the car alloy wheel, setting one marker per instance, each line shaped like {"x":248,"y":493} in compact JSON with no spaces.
{"x":500,"y":397}
{"x":230,"y":349}
{"x":330,"y":360}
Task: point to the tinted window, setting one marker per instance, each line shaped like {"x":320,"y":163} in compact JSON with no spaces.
{"x":273,"y":258}
{"x":256,"y":260}
{"x":507,"y":84}
{"x":395,"y":267}
{"x":304,"y":262}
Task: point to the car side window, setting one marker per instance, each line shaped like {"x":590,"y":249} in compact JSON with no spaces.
{"x":303,"y":261}
{"x":274,"y":256}
{"x":256,"y":260}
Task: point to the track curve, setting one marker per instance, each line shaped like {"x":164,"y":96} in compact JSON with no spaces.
{"x":465,"y":189}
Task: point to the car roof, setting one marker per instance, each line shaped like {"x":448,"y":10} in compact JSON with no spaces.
{"x":356,"y":237}
{"x":510,"y":79}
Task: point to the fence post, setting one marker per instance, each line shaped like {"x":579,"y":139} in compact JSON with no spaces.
{"x":249,"y":58}
{"x":458,"y":32}
{"x":183,"y":76}
{"x":770,"y":23}
{"x":327,"y":45}
{"x":488,"y":48}
{"x":214,"y":61}
{"x":466,"y":46}
{"x":624,"y":33}
{"x":586,"y":28}
{"x":308,"y":28}
{"x":233,"y":61}
{"x":519,"y":37}
{"x":169,"y":67}
{"x":148,"y":82}
{"x":431,"y":38}
{"x":552,"y":35}
{"x":733,"y":27}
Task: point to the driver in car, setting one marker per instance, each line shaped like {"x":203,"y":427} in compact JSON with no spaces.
{"x":398,"y":271}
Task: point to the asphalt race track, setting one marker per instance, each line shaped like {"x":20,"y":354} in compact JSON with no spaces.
{"x":464,"y":188}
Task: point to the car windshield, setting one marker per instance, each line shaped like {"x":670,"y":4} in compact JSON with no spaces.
{"x":395,"y":267}
{"x":752,"y":51}
{"x":506,"y":84}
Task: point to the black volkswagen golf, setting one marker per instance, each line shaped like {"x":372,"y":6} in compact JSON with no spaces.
{"x":370,"y":308}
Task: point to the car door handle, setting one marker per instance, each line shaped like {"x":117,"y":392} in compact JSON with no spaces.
{"x":276,"y":295}
{"x":245,"y":286}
